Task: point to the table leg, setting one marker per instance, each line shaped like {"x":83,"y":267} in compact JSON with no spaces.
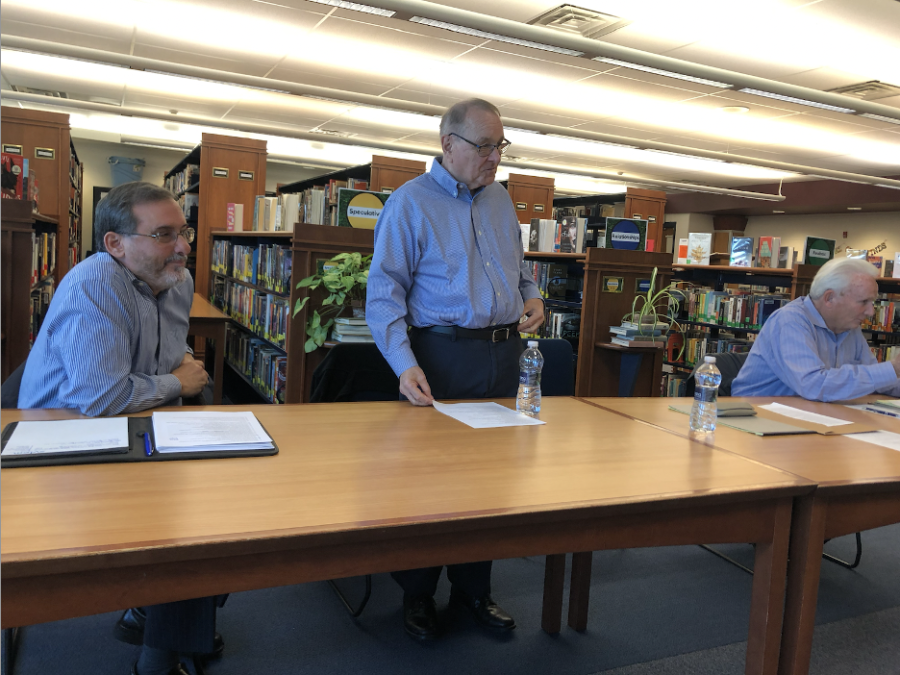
{"x":804,"y":567}
{"x":554,"y":581}
{"x":580,"y":590}
{"x":767,"y":596}
{"x":219,"y":367}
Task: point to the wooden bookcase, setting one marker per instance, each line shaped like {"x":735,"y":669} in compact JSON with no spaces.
{"x":232,"y":170}
{"x":46,"y":143}
{"x":532,"y":196}
{"x":648,"y":205}
{"x":17,"y":225}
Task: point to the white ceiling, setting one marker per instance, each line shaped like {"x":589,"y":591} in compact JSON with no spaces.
{"x":820,"y":44}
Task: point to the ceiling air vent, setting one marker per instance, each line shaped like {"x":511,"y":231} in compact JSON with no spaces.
{"x":580,"y":21}
{"x":868,"y":91}
{"x":40,"y":92}
{"x":332,"y":132}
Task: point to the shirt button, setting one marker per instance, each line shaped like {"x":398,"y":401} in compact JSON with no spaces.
{"x":498,"y":295}
{"x":488,"y":264}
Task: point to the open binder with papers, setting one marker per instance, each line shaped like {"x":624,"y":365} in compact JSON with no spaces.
{"x":164,"y":436}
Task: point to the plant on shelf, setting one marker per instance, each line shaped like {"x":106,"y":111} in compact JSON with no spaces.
{"x":344,"y":278}
{"x":646,"y":307}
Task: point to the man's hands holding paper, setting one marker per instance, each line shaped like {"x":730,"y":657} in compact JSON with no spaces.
{"x":414,"y":386}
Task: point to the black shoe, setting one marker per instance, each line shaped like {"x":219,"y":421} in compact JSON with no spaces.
{"x":130,"y":628}
{"x":486,"y":612}
{"x":420,"y":617}
{"x":177,"y":670}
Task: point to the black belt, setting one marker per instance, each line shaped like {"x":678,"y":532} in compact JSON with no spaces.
{"x":492,"y":333}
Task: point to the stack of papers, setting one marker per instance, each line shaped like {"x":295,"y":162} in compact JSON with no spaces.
{"x":68,"y":437}
{"x":203,"y":431}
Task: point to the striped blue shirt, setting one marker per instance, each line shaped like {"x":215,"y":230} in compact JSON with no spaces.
{"x":444,"y":257}
{"x":107,"y":344}
{"x":796,"y":354}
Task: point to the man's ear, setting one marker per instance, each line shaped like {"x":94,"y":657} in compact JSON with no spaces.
{"x":828,"y":295}
{"x":115,"y":244}
{"x":446,"y":143}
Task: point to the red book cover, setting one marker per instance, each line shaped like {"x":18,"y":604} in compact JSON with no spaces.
{"x":12,"y":180}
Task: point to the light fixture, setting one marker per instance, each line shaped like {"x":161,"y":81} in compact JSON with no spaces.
{"x":681,"y":154}
{"x":890,"y":187}
{"x":880,"y":118}
{"x":777,"y":211}
{"x":591,"y":140}
{"x":218,"y":82}
{"x":800,"y":101}
{"x":665,"y":73}
{"x":474,"y":32}
{"x":356,"y":7}
{"x":734,"y":109}
{"x":854,"y":208}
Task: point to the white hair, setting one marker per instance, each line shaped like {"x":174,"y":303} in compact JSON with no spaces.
{"x":838,"y":275}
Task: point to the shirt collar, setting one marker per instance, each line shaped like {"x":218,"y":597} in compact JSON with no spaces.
{"x":443,"y":178}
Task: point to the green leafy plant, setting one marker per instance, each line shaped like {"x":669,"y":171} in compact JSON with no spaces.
{"x":344,"y":278}
{"x":646,"y":308}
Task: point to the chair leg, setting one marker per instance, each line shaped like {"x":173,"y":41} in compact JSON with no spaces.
{"x":362,"y":604}
{"x":10,"y":648}
{"x":844,"y":563}
{"x":726,"y":558}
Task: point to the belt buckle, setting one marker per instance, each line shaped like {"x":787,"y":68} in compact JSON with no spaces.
{"x":503,"y":331}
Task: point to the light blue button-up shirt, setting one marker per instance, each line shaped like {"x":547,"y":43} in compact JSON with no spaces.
{"x":444,"y":256}
{"x":107,"y":344}
{"x":796,"y":354}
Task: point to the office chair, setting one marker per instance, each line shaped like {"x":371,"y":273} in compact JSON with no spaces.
{"x":354,"y":372}
{"x":558,"y":374}
{"x":730,"y":364}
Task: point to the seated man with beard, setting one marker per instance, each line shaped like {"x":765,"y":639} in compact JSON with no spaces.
{"x":114,"y":341}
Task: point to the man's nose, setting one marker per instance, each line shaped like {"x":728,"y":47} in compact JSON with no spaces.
{"x":182,"y":246}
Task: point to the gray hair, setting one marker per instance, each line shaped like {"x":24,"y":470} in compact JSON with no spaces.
{"x":838,"y":275}
{"x":455,"y":116}
{"x":115,"y":212}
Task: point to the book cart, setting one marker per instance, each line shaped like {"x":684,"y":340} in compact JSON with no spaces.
{"x":41,"y":240}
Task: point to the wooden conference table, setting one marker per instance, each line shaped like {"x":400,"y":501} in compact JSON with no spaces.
{"x":858,"y":489}
{"x":372,"y":487}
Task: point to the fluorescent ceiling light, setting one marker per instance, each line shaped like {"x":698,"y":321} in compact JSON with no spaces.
{"x":681,"y":154}
{"x":218,"y":82}
{"x":665,"y":73}
{"x":356,"y":7}
{"x":474,"y":32}
{"x":880,"y":118}
{"x":890,"y":187}
{"x":800,"y":101}
{"x":590,"y":140}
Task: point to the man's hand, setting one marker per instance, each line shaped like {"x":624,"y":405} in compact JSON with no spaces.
{"x":192,"y":376}
{"x":896,"y":363}
{"x":414,"y":386}
{"x":534,"y":315}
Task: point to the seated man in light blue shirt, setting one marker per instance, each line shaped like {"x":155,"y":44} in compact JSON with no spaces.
{"x":813,"y":347}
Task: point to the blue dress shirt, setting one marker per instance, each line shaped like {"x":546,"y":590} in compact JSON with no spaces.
{"x":107,"y":344}
{"x":444,"y":256}
{"x":796,"y":354}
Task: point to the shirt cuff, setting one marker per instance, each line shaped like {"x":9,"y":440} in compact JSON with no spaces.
{"x":885,"y":376}
{"x":527,"y":295}
{"x":401,"y":360}
{"x":169,"y":387}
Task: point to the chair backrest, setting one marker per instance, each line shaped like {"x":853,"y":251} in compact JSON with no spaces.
{"x":354,"y":372}
{"x":558,"y":375}
{"x":729,"y":364}
{"x":9,"y":392}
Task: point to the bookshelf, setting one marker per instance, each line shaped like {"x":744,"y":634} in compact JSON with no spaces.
{"x":532,"y":196}
{"x":20,"y":228}
{"x":219,"y":171}
{"x":76,"y":200}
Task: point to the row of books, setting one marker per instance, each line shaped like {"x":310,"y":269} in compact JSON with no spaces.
{"x":562,"y":323}
{"x":259,"y":362}
{"x":184,"y":179}
{"x":43,"y":255}
{"x":729,"y":309}
{"x":886,"y":317}
{"x":887,"y":267}
{"x":699,"y":343}
{"x":190,"y":204}
{"x":270,"y":214}
{"x":265,"y":314}
{"x":318,"y":205}
{"x":885,"y":352}
{"x":351,"y":329}
{"x":554,"y":281}
{"x":673,"y":383}
{"x":551,"y":236}
{"x":267,"y":265}
{"x":39,"y":300}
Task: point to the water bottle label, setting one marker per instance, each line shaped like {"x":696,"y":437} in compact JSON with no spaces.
{"x":706,"y":394}
{"x":529,"y":379}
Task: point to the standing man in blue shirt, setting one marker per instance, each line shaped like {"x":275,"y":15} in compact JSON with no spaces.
{"x":115,"y":340}
{"x":449,"y":265}
{"x":813,"y":347}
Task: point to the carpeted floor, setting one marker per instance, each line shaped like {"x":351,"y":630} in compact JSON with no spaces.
{"x":668,"y":610}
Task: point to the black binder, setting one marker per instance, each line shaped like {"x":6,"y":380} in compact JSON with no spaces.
{"x":135,"y":452}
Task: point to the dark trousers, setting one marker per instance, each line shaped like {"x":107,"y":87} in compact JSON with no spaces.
{"x":462,"y":368}
{"x":183,"y":626}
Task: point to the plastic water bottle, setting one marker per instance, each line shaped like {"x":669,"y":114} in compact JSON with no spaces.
{"x":528,"y":400}
{"x":703,"y":414}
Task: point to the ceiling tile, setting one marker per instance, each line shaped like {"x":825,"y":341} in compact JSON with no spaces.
{"x":632,"y":36}
{"x":340,"y":79}
{"x":514,"y":10}
{"x":121,"y":29}
{"x":225,"y":59}
{"x":118,"y":44}
{"x":823,"y":78}
{"x":143,"y":99}
{"x":758,"y":64}
{"x":541,"y":112}
{"x":427,"y":97}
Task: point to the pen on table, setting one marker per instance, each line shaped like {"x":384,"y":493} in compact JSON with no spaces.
{"x":889,"y":413}
{"x":148,"y":448}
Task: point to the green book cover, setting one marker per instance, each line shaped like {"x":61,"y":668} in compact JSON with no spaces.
{"x":359,"y":208}
{"x":818,"y":251}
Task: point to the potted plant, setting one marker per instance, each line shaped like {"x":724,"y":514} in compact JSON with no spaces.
{"x":646,"y":308}
{"x":344,"y":278}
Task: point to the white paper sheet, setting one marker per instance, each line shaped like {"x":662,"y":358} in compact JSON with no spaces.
{"x":797,"y":414}
{"x":485,"y":415}
{"x":202,"y":431}
{"x":886,"y":439}
{"x":67,"y":436}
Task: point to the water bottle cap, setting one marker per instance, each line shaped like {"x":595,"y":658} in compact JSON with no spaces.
{"x":533,"y":343}
{"x":709,"y":359}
